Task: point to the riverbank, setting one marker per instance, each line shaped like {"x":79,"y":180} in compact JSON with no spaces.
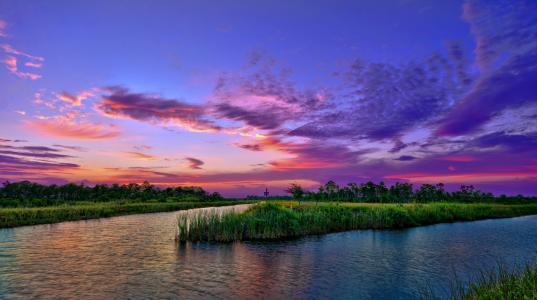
{"x":288,"y":220}
{"x":496,"y":284}
{"x":12,"y":217}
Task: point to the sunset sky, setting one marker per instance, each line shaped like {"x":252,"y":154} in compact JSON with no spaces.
{"x":236,"y":96}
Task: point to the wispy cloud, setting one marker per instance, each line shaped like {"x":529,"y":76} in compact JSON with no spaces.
{"x":13,"y":65}
{"x":194,"y":163}
{"x":69,"y":128}
{"x":140,"y":155}
{"x":74,"y":100}
{"x":3,"y":27}
{"x":120,"y":102}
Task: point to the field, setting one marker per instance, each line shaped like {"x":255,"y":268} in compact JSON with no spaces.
{"x":11,"y":217}
{"x":288,"y":219}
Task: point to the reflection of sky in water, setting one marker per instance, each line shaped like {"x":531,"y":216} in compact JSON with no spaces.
{"x":136,"y":256}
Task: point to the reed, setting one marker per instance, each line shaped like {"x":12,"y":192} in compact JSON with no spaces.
{"x":288,"y":220}
{"x":519,"y":283}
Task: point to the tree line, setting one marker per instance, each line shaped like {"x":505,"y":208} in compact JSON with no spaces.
{"x":399,"y":193}
{"x":26,"y":193}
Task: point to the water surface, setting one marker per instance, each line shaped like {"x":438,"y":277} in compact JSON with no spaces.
{"x":136,"y":256}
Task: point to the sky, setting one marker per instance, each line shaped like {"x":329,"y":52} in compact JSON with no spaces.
{"x":239,"y":96}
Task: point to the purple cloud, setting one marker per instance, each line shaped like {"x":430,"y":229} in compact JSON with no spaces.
{"x":120,"y":102}
{"x":507,"y":56}
{"x":383,"y":100}
{"x":194,"y":163}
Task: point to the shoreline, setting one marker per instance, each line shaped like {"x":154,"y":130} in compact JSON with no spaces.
{"x":28,"y":216}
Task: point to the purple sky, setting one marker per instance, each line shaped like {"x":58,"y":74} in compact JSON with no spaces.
{"x":237,"y":96}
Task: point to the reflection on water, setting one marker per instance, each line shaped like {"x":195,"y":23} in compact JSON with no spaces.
{"x":136,"y":257}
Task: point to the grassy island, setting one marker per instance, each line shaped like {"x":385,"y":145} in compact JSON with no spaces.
{"x":282,"y":220}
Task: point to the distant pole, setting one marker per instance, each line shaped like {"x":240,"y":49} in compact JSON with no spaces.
{"x":266,"y":193}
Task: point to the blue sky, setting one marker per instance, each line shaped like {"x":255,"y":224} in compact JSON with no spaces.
{"x":266,"y":93}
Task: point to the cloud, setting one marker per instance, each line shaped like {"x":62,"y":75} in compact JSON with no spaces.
{"x":32,"y":152}
{"x":194,"y":163}
{"x":383,"y":101}
{"x":11,"y":65}
{"x":514,"y":143}
{"x":405,"y":158}
{"x":32,"y":162}
{"x":74,"y":148}
{"x":311,"y":154}
{"x":3,"y":26}
{"x":506,"y":53}
{"x":262,"y":96}
{"x":140,"y":155}
{"x":120,"y":102}
{"x":69,"y":128}
{"x":74,"y":100}
{"x":12,"y":62}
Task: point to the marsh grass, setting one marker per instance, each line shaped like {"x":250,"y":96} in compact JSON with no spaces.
{"x":501,"y":284}
{"x":288,"y":220}
{"x":11,"y":217}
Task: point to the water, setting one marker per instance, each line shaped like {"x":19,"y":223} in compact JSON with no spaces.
{"x":136,"y":257}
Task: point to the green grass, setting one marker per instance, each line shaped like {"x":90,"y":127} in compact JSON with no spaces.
{"x":12,"y":217}
{"x":283,"y":220}
{"x":500,"y":284}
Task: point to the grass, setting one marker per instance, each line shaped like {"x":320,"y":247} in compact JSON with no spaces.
{"x":500,"y":284}
{"x":12,"y":217}
{"x":282,"y":220}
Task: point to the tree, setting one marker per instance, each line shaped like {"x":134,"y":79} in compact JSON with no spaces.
{"x":295,"y":190}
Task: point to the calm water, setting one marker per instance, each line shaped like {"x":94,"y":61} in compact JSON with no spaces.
{"x":136,"y":257}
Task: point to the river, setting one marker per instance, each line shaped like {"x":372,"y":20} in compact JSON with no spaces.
{"x":136,"y":256}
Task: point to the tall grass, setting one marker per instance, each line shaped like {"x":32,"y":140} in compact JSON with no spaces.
{"x":275,"y":221}
{"x":497,"y":284}
{"x":11,"y":217}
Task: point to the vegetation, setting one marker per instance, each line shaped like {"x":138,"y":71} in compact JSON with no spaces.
{"x":11,"y":217}
{"x":499,"y":284}
{"x":30,"y":194}
{"x":279,"y":221}
{"x":402,"y":193}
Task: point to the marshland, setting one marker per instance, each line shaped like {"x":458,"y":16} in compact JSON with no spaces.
{"x":360,"y":240}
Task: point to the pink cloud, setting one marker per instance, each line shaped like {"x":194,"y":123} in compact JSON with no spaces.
{"x":12,"y":62}
{"x":69,"y":128}
{"x":140,"y":155}
{"x":75,"y":100}
{"x":11,"y":65}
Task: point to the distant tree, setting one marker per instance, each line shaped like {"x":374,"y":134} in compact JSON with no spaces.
{"x":401,"y":192}
{"x":295,"y":190}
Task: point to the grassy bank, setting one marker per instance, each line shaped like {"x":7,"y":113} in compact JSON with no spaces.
{"x":288,"y":220}
{"x":504,"y":285}
{"x":11,"y":217}
{"x":498,"y":284}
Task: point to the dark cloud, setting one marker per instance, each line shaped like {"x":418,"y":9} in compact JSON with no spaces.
{"x":405,"y":158}
{"x":120,"y":102}
{"x":385,"y":100}
{"x":32,"y":151}
{"x":514,"y":143}
{"x":17,"y":164}
{"x":194,"y":163}
{"x":507,"y":56}
{"x":251,"y":147}
{"x":261,"y":119}
{"x":74,"y":148}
